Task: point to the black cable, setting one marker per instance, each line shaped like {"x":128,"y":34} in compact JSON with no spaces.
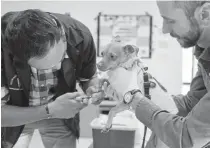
{"x":146,"y":93}
{"x":144,"y":137}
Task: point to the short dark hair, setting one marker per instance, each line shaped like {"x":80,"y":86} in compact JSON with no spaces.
{"x":189,"y":7}
{"x":30,"y":33}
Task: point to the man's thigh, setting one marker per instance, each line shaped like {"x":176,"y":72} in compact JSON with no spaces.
{"x":25,"y":138}
{"x":55,"y":134}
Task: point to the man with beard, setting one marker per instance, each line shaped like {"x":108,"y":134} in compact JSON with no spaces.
{"x":189,"y":23}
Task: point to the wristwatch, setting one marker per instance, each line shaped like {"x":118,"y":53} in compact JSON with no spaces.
{"x":49,"y":116}
{"x":128,"y":97}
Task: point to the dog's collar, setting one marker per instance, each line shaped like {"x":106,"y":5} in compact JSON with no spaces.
{"x":129,"y":64}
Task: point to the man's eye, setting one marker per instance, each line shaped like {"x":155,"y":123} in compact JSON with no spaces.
{"x":170,"y":21}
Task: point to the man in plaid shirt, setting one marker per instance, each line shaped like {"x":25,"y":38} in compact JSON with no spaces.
{"x":43,"y":55}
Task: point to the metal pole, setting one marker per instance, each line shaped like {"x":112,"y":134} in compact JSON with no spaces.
{"x":150,"y":37}
{"x":98,"y":33}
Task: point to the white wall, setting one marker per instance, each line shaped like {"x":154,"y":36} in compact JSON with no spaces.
{"x":166,"y":62}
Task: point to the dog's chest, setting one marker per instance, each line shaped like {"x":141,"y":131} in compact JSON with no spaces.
{"x":120,"y":80}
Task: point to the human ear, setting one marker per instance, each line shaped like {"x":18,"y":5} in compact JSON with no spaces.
{"x":203,"y":15}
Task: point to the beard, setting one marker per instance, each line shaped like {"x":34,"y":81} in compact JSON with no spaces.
{"x":191,"y":37}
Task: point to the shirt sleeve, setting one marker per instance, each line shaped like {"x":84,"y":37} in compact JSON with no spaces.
{"x":4,"y":88}
{"x":176,"y":131}
{"x":3,"y":78}
{"x":185,"y":103}
{"x":88,"y":69}
{"x":4,"y":95}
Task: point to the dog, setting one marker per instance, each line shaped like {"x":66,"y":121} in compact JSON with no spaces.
{"x":117,"y":54}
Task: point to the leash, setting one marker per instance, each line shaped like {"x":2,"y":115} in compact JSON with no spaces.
{"x":161,"y":86}
{"x":147,"y":95}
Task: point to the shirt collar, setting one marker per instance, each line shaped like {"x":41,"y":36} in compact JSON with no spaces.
{"x":57,"y":67}
{"x":72,"y":31}
{"x":202,"y":53}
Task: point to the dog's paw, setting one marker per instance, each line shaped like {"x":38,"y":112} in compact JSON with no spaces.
{"x":106,"y":129}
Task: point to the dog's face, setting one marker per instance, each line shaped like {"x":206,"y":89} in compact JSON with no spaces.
{"x":114,"y":54}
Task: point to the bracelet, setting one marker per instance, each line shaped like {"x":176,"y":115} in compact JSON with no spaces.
{"x":49,"y":116}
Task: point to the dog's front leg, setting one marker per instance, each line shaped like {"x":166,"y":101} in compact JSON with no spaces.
{"x":118,"y":108}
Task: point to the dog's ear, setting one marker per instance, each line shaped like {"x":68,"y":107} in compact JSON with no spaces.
{"x":129,"y":49}
{"x":116,"y":39}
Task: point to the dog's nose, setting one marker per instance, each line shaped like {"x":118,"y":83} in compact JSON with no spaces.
{"x":99,"y":64}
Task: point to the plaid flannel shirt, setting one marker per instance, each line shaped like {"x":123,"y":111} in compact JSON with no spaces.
{"x":41,"y":83}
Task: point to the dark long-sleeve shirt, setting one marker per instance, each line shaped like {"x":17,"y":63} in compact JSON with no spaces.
{"x":190,"y":128}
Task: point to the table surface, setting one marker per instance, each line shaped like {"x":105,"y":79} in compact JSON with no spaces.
{"x":137,"y":145}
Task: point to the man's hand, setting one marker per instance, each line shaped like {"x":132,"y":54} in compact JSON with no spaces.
{"x":96,"y":93}
{"x":66,"y":106}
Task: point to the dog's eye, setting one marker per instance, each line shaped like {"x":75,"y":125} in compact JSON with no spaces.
{"x":113,"y":57}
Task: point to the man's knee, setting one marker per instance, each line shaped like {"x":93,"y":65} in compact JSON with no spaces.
{"x":56,"y":134}
{"x":67,"y":140}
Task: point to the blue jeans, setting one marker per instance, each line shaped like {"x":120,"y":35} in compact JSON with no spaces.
{"x":54,"y":134}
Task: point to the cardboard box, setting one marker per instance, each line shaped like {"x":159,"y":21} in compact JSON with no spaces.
{"x":121,"y":135}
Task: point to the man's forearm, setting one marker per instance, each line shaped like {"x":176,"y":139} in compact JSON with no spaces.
{"x":173,"y":130}
{"x":16,"y":116}
{"x":160,"y":122}
{"x":145,"y":109}
{"x":94,"y":81}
